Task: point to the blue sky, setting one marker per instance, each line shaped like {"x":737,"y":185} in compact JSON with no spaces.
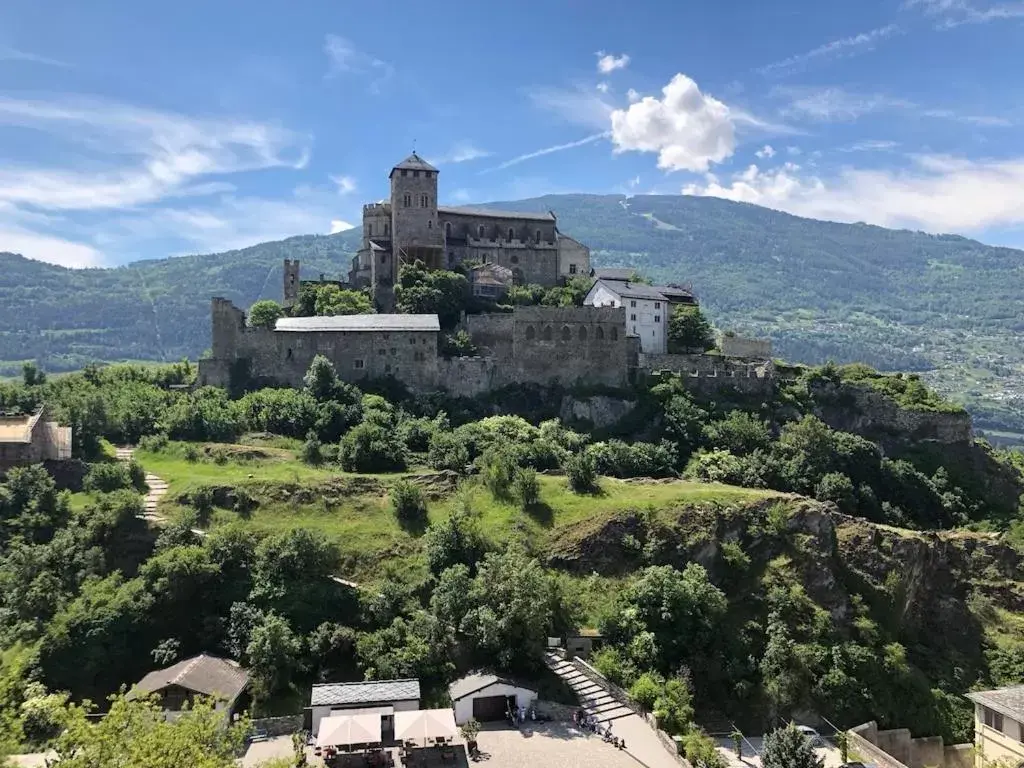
{"x":141,"y":130}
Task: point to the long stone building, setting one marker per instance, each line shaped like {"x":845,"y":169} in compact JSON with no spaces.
{"x":591,"y":345}
{"x":412,"y":226}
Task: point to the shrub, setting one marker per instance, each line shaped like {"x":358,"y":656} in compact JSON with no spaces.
{"x":108,"y":477}
{"x":739,"y":432}
{"x":191,"y":454}
{"x":620,"y":459}
{"x":265,"y":313}
{"x":154,"y":443}
{"x":312,"y":450}
{"x":418,"y":432}
{"x":448,"y":451}
{"x":372,"y":447}
{"x":646,"y":689}
{"x":526,"y":488}
{"x":498,"y":469}
{"x":407,"y":503}
{"x":581,"y":472}
{"x":838,"y":488}
{"x":137,"y":476}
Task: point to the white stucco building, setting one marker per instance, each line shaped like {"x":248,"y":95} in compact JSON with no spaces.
{"x":486,"y":697}
{"x":648,"y":307}
{"x":379,"y":697}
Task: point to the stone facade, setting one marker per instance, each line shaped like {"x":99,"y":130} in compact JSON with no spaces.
{"x":283,"y":355}
{"x":29,"y":439}
{"x":731,"y":345}
{"x":410,"y":226}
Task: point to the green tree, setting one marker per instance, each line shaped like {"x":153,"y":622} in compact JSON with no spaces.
{"x":581,"y":472}
{"x":265,"y":314}
{"x":646,"y":689}
{"x":455,"y":539}
{"x":689,"y":331}
{"x":788,"y":748}
{"x":448,"y":451}
{"x":408,"y":503}
{"x":372,"y":447}
{"x":274,"y":655}
{"x":525,"y":487}
{"x":332,"y":300}
{"x":674,"y":706}
{"x":136,"y":733}
{"x":424,"y":291}
{"x":32,"y":375}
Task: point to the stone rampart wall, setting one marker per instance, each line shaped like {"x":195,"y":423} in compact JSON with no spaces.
{"x":570,"y":345}
{"x":715,"y":372}
{"x":491,"y":334}
{"x":737,"y":346}
{"x":897,"y":748}
{"x":468,"y":376}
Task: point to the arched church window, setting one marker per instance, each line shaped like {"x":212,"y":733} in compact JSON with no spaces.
{"x":583,"y":333}
{"x":511,"y":234}
{"x":530,"y":333}
{"x":447,"y":229}
{"x":547,"y":333}
{"x":566,"y":333}
{"x":615,"y":334}
{"x":599,"y":333}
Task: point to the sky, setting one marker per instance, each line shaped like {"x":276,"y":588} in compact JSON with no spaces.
{"x":135,"y":130}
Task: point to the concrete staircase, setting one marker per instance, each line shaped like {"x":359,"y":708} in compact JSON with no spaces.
{"x":157,"y":487}
{"x":594,"y":698}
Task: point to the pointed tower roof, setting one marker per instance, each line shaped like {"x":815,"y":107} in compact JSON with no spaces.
{"x":413,"y":163}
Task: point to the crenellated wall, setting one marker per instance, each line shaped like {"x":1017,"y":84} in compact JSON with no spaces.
{"x":714,"y":372}
{"x":897,"y":748}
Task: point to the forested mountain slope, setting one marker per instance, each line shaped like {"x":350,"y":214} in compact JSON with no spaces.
{"x":897,"y":300}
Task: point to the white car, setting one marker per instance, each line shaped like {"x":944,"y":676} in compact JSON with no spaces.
{"x":811,"y":735}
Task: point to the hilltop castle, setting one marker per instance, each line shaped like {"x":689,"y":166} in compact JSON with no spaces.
{"x":412,"y":227}
{"x":620,"y":333}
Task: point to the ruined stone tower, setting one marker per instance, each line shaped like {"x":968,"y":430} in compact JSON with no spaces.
{"x":291,"y":282}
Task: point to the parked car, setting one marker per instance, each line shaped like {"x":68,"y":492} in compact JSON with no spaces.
{"x":811,"y":735}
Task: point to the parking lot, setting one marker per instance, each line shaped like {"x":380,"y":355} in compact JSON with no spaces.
{"x":548,"y":744}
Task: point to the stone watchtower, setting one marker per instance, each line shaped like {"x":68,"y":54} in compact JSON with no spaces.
{"x":291,"y":282}
{"x":415,"y":233}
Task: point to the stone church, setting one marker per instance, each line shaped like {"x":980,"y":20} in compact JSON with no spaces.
{"x":411,"y":226}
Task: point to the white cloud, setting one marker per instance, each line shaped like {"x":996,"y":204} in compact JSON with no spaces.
{"x":345,"y":184}
{"x":579,"y":106}
{"x":8,"y":53}
{"x":845,"y":46}
{"x":165,"y":153}
{"x":607,"y":62}
{"x":870,"y":145}
{"x":835,"y":104}
{"x":337,"y":225}
{"x":53,"y":249}
{"x":633,"y":183}
{"x":118,"y":157}
{"x":461,"y":195}
{"x":793,"y":151}
{"x":633,"y":95}
{"x":954,"y":13}
{"x":549,"y":150}
{"x":462,"y":152}
{"x":936,"y":193}
{"x":767,"y":151}
{"x":688,"y":129}
{"x":602,"y":87}
{"x":344,"y":58}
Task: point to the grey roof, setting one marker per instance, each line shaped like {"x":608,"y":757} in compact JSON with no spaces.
{"x":209,"y":675}
{"x":369,"y":692}
{"x":1007,"y":701}
{"x":477,"y":681}
{"x":414,"y":163}
{"x":357,"y":323}
{"x":613,"y":273}
{"x":488,"y":213}
{"x":630,"y":290}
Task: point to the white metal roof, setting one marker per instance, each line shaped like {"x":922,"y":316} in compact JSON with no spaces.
{"x":356,"y":323}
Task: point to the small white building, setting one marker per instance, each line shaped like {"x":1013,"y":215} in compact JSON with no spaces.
{"x":486,"y":697}
{"x":381,"y":697}
{"x":648,"y":307}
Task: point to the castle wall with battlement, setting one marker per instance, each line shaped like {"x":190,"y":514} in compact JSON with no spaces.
{"x":711,"y":373}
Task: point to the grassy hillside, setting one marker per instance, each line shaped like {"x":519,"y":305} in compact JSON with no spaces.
{"x":897,"y":300}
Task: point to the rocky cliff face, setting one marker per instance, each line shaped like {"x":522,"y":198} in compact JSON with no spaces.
{"x":920,"y":584}
{"x":860,"y":409}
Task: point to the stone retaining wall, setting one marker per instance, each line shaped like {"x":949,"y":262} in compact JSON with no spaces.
{"x":278,"y":726}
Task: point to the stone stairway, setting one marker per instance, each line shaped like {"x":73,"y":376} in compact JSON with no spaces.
{"x":594,"y":698}
{"x":157,"y":487}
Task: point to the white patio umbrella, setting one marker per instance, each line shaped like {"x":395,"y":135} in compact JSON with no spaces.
{"x":424,"y":724}
{"x":345,"y":730}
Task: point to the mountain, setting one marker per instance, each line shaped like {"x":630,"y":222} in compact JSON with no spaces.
{"x":944,"y":305}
